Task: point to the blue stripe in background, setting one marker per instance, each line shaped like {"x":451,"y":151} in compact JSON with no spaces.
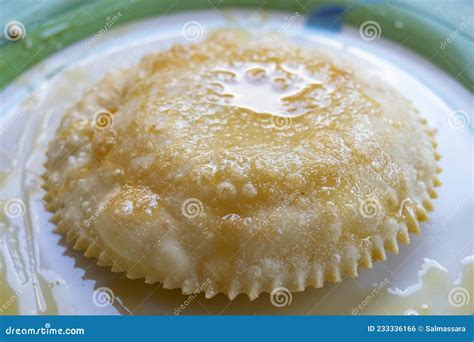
{"x":328,"y":17}
{"x":238,"y":328}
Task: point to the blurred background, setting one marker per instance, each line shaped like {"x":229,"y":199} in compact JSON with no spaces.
{"x":439,"y":30}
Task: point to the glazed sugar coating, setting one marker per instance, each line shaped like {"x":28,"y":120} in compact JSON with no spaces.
{"x":243,"y":166}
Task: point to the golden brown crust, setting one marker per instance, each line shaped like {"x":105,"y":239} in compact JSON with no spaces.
{"x":167,"y":171}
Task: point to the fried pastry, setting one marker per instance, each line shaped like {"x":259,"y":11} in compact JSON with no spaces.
{"x":240,"y":166}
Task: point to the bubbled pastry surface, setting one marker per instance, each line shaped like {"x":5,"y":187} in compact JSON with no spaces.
{"x":243,"y":166}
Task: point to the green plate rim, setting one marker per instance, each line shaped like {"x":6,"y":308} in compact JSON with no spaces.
{"x":420,"y":33}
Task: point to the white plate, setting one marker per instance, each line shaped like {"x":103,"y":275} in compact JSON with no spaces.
{"x":63,"y":281}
